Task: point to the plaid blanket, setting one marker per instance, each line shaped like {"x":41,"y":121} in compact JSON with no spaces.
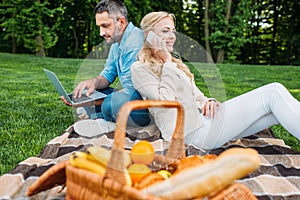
{"x":277,"y":178}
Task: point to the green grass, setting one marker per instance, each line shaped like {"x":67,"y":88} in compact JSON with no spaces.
{"x":32,"y":113}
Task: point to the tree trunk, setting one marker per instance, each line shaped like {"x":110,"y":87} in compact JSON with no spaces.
{"x":14,"y":44}
{"x":221,"y":52}
{"x":274,"y":33}
{"x":76,"y":42}
{"x":40,"y":51}
{"x":220,"y":56}
{"x":89,"y":30}
{"x":291,"y":32}
{"x":206,"y":29}
{"x":255,"y":47}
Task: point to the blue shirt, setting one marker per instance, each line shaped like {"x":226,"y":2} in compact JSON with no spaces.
{"x":122,"y":55}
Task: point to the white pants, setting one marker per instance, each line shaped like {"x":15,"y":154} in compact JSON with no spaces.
{"x":248,"y":114}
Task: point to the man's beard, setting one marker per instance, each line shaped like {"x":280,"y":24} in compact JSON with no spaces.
{"x":116,"y":37}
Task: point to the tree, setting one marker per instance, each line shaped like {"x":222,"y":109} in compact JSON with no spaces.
{"x":244,"y":31}
{"x":274,"y":33}
{"x":290,"y":21}
{"x":226,"y":21}
{"x":25,"y":25}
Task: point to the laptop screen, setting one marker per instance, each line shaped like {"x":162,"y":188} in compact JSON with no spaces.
{"x":60,"y":89}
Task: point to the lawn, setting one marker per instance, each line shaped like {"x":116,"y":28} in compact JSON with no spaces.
{"x":32,"y":113}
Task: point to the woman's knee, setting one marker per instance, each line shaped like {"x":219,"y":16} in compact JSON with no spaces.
{"x":277,"y":85}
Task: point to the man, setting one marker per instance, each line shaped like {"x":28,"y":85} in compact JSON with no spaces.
{"x":126,"y":40}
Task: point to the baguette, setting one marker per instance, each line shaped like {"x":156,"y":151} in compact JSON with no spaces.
{"x":148,"y":180}
{"x":192,"y":161}
{"x":199,"y":181}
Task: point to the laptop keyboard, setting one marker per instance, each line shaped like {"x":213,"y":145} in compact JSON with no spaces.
{"x":82,"y":98}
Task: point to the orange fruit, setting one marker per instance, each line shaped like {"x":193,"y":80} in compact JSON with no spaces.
{"x":137,"y":171}
{"x":142,"y":152}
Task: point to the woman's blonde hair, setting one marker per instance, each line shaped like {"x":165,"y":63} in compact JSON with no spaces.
{"x":147,"y":54}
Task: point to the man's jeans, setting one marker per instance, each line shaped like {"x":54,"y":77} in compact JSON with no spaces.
{"x":112,"y":104}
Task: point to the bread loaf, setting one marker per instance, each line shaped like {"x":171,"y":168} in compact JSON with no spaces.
{"x":199,"y":181}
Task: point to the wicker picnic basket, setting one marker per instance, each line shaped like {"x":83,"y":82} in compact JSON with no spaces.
{"x":82,"y":184}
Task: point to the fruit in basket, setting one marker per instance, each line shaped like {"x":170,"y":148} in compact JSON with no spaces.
{"x":164,"y":173}
{"x":81,"y":160}
{"x":103,"y":155}
{"x":142,"y":152}
{"x":85,"y":155}
{"x":137,"y":171}
{"x":127,"y":177}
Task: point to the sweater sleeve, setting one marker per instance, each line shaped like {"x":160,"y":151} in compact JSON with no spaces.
{"x":199,"y":96}
{"x":153,"y":87}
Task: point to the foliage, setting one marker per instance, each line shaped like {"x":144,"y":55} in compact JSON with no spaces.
{"x":193,"y":15}
{"x":274,"y":27}
{"x":227,"y":32}
{"x":137,"y":9}
{"x":26,"y":20}
{"x":77,"y":32}
{"x":254,"y":31}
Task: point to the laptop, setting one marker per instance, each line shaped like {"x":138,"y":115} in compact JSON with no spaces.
{"x":96,"y":95}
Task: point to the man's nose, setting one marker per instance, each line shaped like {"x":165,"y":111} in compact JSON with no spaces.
{"x":102,"y":32}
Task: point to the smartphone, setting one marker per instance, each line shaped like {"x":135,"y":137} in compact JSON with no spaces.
{"x":151,"y":36}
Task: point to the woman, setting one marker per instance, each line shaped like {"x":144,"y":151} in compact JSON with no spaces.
{"x":208,"y":123}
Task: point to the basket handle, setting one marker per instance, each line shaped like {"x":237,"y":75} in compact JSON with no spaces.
{"x":115,"y":167}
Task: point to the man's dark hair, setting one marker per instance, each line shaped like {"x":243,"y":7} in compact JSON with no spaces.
{"x":114,"y":8}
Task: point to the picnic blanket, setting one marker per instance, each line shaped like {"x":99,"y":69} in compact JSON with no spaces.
{"x":277,"y":178}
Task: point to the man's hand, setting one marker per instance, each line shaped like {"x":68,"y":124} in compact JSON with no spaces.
{"x":89,"y":85}
{"x":65,"y":101}
{"x":210,"y":108}
{"x":91,"y":103}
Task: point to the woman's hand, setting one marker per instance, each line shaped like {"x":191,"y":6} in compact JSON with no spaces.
{"x":163,"y":53}
{"x":160,"y":48}
{"x":210,"y":108}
